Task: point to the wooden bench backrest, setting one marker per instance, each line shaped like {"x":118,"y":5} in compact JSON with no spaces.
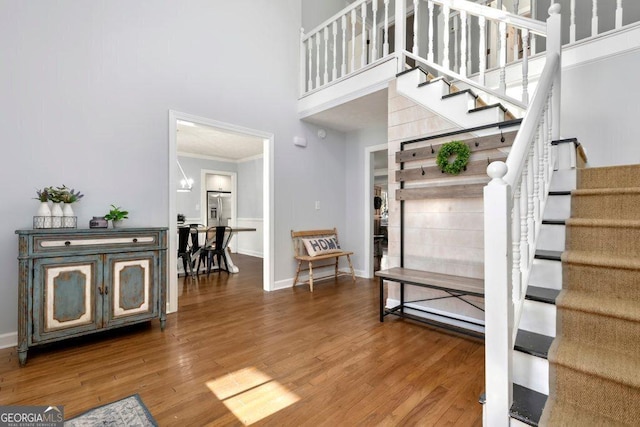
{"x":297,"y":236}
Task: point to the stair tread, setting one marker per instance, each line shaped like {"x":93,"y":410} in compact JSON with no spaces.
{"x":548,"y":255}
{"x":437,"y":79}
{"x":527,"y":405}
{"x":546,"y":295}
{"x":576,"y":415}
{"x":469,"y":91}
{"x":601,"y":222}
{"x":554,"y":221}
{"x":604,"y":363}
{"x":560,"y":193}
{"x":487,"y":107}
{"x":533,"y":343}
{"x":606,"y":191}
{"x":565,"y":141}
{"x":596,"y":259}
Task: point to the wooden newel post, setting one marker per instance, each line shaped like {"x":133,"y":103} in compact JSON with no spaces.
{"x":498,"y":297}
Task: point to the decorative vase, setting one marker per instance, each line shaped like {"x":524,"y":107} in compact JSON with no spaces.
{"x":117,"y":223}
{"x":56,"y":216}
{"x":67,"y":210}
{"x":43,"y":216}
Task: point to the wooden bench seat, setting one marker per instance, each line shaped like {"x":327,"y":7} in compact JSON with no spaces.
{"x":302,"y":255}
{"x":454,"y":286}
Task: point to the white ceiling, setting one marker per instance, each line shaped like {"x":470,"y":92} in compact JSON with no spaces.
{"x":207,"y":141}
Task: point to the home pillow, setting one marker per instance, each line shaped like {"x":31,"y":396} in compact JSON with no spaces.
{"x":321,"y":245}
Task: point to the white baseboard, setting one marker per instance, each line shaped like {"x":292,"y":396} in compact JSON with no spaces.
{"x":249,"y":252}
{"x":288,"y":283}
{"x":9,"y":340}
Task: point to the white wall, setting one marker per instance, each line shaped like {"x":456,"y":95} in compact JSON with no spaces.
{"x":600,"y":108}
{"x":250,"y":207}
{"x":86,"y":89}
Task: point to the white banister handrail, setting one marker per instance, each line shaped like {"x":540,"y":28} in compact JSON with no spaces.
{"x":519,"y":149}
{"x":494,"y":14}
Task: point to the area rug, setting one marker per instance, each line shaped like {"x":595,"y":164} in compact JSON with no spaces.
{"x":129,"y":411}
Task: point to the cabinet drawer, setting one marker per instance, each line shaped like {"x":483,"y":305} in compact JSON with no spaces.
{"x":95,"y":242}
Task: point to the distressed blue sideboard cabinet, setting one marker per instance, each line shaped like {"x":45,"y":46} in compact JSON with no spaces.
{"x":76,"y":282}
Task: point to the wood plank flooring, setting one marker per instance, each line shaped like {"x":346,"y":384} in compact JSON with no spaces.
{"x":234,"y":355}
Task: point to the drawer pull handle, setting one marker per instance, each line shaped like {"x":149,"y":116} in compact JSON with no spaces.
{"x":67,"y":243}
{"x":135,"y":240}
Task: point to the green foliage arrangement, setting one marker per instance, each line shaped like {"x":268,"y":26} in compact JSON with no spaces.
{"x":59,"y":194}
{"x":116,"y":214}
{"x":453,"y":148}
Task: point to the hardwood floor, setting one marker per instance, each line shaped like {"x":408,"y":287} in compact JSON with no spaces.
{"x":235,"y":355}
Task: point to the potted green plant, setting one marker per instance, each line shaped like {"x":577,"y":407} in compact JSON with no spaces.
{"x":116,"y":215}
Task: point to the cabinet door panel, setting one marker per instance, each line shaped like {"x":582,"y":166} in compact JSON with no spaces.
{"x":134,"y":285}
{"x":64,"y":297}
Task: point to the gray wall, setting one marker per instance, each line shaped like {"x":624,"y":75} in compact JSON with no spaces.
{"x":86,"y":89}
{"x":250,"y":189}
{"x":600,"y":108}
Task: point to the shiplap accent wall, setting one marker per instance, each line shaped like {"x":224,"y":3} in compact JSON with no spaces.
{"x":441,"y":235}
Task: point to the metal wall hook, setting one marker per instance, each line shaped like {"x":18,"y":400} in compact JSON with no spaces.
{"x":477,"y":144}
{"x":432,"y":150}
{"x":488,"y":161}
{"x":501,"y":136}
{"x":422,"y":169}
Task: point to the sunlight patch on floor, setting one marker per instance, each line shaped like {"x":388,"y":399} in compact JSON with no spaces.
{"x":251,"y":395}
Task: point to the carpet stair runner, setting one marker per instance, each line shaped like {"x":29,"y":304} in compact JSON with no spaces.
{"x":594,"y":361}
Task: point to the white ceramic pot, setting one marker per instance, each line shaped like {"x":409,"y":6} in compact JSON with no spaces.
{"x":67,"y":210}
{"x":43,"y":215}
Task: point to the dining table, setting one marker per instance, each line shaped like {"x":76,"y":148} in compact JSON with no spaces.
{"x":227,"y":254}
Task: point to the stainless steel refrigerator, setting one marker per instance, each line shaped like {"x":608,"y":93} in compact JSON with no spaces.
{"x":218,"y":208}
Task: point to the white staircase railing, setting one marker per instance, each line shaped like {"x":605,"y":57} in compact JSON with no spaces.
{"x":354,"y":38}
{"x":513,"y":205}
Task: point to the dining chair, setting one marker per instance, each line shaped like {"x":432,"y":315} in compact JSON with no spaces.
{"x":217,"y":242}
{"x":184,"y":252}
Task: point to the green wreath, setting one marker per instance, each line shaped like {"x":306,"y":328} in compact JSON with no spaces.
{"x":462,"y":153}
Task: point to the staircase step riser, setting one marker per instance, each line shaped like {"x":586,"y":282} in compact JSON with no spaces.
{"x":565,"y":155}
{"x":604,"y":239}
{"x":531,"y":372}
{"x":612,"y":282}
{"x":557,"y":207}
{"x":619,"y":206}
{"x":563,"y":180}
{"x":546,"y":274}
{"x":608,"y":398}
{"x":538,"y":317}
{"x":460,"y":102}
{"x":595,"y":329}
{"x":517,"y":423}
{"x":609,"y":177}
{"x":552,"y":237}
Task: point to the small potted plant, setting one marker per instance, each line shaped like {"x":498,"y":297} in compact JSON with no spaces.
{"x":116,"y":215}
{"x":43,"y":216}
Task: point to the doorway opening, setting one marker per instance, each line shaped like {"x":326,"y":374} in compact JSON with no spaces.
{"x":198,"y":207}
{"x":376,"y":184}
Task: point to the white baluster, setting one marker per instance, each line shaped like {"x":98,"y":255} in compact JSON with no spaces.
{"x":503,"y":57}
{"x":343,"y":67}
{"x":516,"y":46}
{"x":469,"y":59}
{"x":572,"y":25}
{"x":463,"y":43}
{"x":353,"y":40}
{"x":594,"y":19}
{"x":516,"y":275}
{"x":326,"y":55}
{"x":530,"y":203}
{"x":447,"y":19}
{"x":317,"y":37}
{"x":303,"y":63}
{"x":363,"y":57}
{"x":414,"y":50}
{"x":524,"y":231}
{"x":525,"y":66}
{"x":516,"y":7}
{"x":385,"y":46}
{"x":374,"y":38}
{"x":535,"y":166}
{"x":619,"y":14}
{"x":430,"y":53}
{"x":310,"y":70}
{"x":334,"y":70}
{"x":456,"y":53}
{"x":482,"y":50}
{"x":533,"y":37}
